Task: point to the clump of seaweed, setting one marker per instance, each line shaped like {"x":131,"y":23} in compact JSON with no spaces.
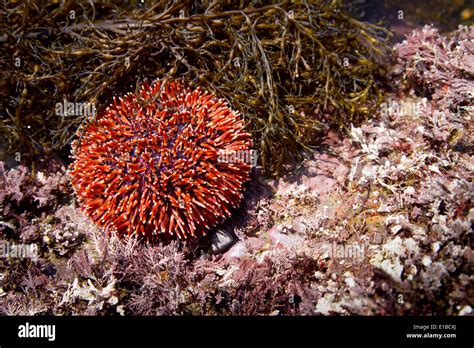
{"x":33,"y":210}
{"x":443,"y":66}
{"x":442,"y":69}
{"x":291,"y":68}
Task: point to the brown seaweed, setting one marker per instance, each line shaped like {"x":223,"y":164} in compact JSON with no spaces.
{"x":293,"y":68}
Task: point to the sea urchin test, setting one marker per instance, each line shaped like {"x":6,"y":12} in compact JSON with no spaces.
{"x":149,"y":164}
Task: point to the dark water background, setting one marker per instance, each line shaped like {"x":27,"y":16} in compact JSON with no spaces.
{"x":446,"y":15}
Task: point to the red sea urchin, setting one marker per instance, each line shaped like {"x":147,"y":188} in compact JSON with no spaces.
{"x":150,"y":164}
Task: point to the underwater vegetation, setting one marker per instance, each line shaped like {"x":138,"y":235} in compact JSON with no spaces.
{"x":292,"y":69}
{"x":376,"y":221}
{"x":442,"y":67}
{"x":154,"y":163}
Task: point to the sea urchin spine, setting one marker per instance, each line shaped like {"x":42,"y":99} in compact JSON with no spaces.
{"x":149,"y":164}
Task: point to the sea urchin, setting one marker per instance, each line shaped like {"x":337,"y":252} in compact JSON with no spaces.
{"x":150,"y":163}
